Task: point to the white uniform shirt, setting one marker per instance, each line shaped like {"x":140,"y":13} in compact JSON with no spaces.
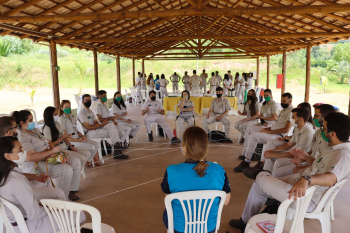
{"x":36,"y":141}
{"x":153,"y":106}
{"x":227,"y":82}
{"x":204,"y":78}
{"x":230,"y":76}
{"x":195,"y":80}
{"x":247,"y":110}
{"x":237,"y":79}
{"x":18,"y":191}
{"x":249,"y":81}
{"x":243,"y":82}
{"x":102,"y":110}
{"x":302,"y":138}
{"x":269,"y":109}
{"x":69,"y":125}
{"x":138,"y":79}
{"x":175,"y":78}
{"x":213,"y":81}
{"x":162,"y":82}
{"x":219,"y":78}
{"x":187,"y":105}
{"x":48,"y":135}
{"x":86,"y":115}
{"x":318,"y":144}
{"x":186,"y":79}
{"x":114,"y":109}
{"x":219,"y":107}
{"x":151,"y":82}
{"x":284,"y":116}
{"x":143,"y":81}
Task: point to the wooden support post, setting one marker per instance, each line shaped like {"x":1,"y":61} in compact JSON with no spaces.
{"x":284,"y":72}
{"x":268,"y":72}
{"x":143,"y":66}
{"x":133,"y":71}
{"x":54,"y":74}
{"x":308,"y":67}
{"x":117,"y":59}
{"x":257,"y":71}
{"x":349,"y":104}
{"x":96,"y":71}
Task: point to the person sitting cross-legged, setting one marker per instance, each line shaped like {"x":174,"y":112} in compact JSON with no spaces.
{"x":154,"y":110}
{"x":331,"y":167}
{"x":220,"y":107}
{"x":281,"y":127}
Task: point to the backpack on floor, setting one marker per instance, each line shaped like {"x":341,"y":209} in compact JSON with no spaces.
{"x":108,"y":147}
{"x":257,"y":153}
{"x":217,"y":136}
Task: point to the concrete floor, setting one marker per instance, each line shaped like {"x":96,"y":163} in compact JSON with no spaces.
{"x":130,"y":199}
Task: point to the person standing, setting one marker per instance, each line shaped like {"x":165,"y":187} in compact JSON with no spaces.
{"x":163,"y":83}
{"x":230,"y":75}
{"x":242,"y":87}
{"x":227,"y":84}
{"x":195,"y":81}
{"x":186,"y":82}
{"x":220,"y":108}
{"x":237,"y":84}
{"x":138,"y":87}
{"x":150,"y":83}
{"x":249,"y":83}
{"x":143,"y":81}
{"x":175,"y":78}
{"x":204,"y":77}
{"x":213,"y":83}
{"x":218,"y":77}
{"x":186,"y":107}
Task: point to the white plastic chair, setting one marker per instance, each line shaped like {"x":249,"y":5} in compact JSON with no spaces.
{"x":158,"y":95}
{"x":134,"y":96}
{"x":144,"y":95}
{"x":127,"y":96}
{"x":4,"y":114}
{"x":216,"y":126}
{"x":177,"y":126}
{"x":324,"y":211}
{"x":5,"y":222}
{"x":296,"y":225}
{"x":61,"y":212}
{"x":199,"y":220}
{"x":78,"y":102}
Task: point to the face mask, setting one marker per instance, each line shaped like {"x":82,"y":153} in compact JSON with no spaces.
{"x":104,"y":99}
{"x":317,"y":123}
{"x":22,"y":158}
{"x":284,"y":105}
{"x":153,"y":98}
{"x":219,"y":95}
{"x":293,"y":123}
{"x":87,"y":104}
{"x":118,"y":98}
{"x":267,"y":98}
{"x":249,"y":97}
{"x":324,"y":136}
{"x":31,"y":126}
{"x":67,"y":110}
{"x":56,"y":118}
{"x":186,"y":97}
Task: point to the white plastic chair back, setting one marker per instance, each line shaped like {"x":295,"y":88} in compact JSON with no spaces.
{"x":62,"y":212}
{"x":192,"y":220}
{"x":4,"y":114}
{"x":127,"y":96}
{"x":78,"y":102}
{"x":93,"y":106}
{"x":18,"y":216}
{"x":158,"y":95}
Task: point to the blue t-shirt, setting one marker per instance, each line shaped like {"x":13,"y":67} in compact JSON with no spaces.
{"x":182,"y":177}
{"x":157,"y":85}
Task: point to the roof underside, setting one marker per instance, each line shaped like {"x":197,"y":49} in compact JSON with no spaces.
{"x":179,"y":29}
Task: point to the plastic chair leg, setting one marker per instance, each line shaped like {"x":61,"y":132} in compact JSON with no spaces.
{"x":156,"y":129}
{"x":83,"y":172}
{"x":325,"y":220}
{"x":332,"y":211}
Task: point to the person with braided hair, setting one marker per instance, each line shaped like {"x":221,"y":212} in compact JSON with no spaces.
{"x":198,"y":173}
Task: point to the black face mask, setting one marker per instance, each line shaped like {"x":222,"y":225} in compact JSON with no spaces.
{"x":219,"y":95}
{"x":153,"y":98}
{"x":249,"y":97}
{"x":87,"y":104}
{"x":284,"y":105}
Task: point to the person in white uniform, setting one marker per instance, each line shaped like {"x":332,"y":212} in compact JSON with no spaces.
{"x":330,"y":168}
{"x":102,"y":113}
{"x":195,"y":81}
{"x":186,"y":107}
{"x":150,"y":83}
{"x":218,"y":77}
{"x":143,"y":81}
{"x":281,"y":127}
{"x":236,"y":83}
{"x":175,"y":79}
{"x":241,"y":91}
{"x":249,"y":83}
{"x":94,"y":130}
{"x":119,"y":110}
{"x":203,"y":86}
{"x":138,"y":86}
{"x":163,"y":83}
{"x":54,"y":134}
{"x":213,"y":83}
{"x":155,"y":111}
{"x":220,"y":108}
{"x":227,"y":84}
{"x":252,"y":111}
{"x":186,"y":82}
{"x":318,"y":144}
{"x":65,"y":176}
{"x":68,"y":124}
{"x":230,"y":75}
{"x":16,"y":189}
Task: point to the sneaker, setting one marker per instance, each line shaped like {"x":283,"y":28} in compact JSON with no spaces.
{"x":72,"y":196}
{"x":259,"y":165}
{"x":228,"y":140}
{"x":118,"y":146}
{"x":150,"y":137}
{"x":251,"y":172}
{"x":237,"y":223}
{"x":175,"y":140}
{"x":241,"y":141}
{"x":241,"y":166}
{"x":241,"y":157}
{"x":120,"y":155}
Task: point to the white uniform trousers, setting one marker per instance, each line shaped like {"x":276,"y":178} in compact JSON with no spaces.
{"x":107,"y":131}
{"x":43,"y":225}
{"x":266,"y":186}
{"x":237,"y":89}
{"x":90,"y":145}
{"x":241,"y":94}
{"x":242,"y":126}
{"x":149,"y":88}
{"x":247,"y":88}
{"x":204,"y":88}
{"x":134,"y":126}
{"x":283,"y":167}
{"x":155,"y":118}
{"x":163,"y":92}
{"x":181,"y":123}
{"x":123,"y":131}
{"x":253,"y":140}
{"x":143,"y":87}
{"x":270,"y":145}
{"x":138,"y":93}
{"x":82,"y":154}
{"x":225,"y":121}
{"x":195,"y":88}
{"x":225,"y":91}
{"x":253,"y":129}
{"x":187,"y":87}
{"x":212,"y":89}
{"x":48,"y":193}
{"x":175,"y":86}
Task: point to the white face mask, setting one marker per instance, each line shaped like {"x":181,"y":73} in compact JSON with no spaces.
{"x":293,"y":123}
{"x":56,"y":118}
{"x":22,"y":158}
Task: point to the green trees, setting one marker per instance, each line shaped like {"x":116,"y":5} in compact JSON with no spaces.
{"x":5,"y":47}
{"x":82,"y":67}
{"x":342,"y":70}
